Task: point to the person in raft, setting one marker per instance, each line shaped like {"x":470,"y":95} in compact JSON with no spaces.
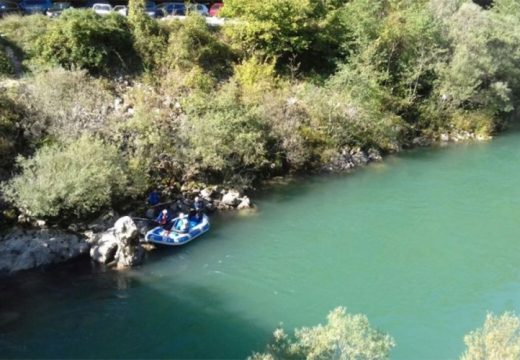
{"x":198,"y":206}
{"x":182,"y":224}
{"x":164,"y":218}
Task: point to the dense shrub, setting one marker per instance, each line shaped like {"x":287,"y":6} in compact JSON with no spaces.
{"x":193,"y":43}
{"x":10,"y":136}
{"x":483,"y":70}
{"x":149,"y":140}
{"x":499,"y":338}
{"x":70,"y":180}
{"x":223,"y":136}
{"x":150,"y":39}
{"x":311,"y":31}
{"x":5,"y":64}
{"x":82,"y":39}
{"x":65,"y":104}
{"x":256,"y":77}
{"x":345,"y":337}
{"x":23,"y":32}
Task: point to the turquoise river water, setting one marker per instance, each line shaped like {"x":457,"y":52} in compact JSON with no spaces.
{"x":424,"y":244}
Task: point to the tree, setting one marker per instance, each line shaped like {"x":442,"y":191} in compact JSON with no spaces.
{"x":498,"y":339}
{"x":309,"y":31}
{"x":82,"y":39}
{"x":344,"y":337}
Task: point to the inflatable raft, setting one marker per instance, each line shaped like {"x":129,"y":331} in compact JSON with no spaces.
{"x":174,"y":237}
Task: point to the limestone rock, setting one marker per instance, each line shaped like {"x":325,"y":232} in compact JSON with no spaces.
{"x":119,"y":244}
{"x":23,"y":249}
{"x":129,"y":252}
{"x":231,"y":198}
{"x":105,"y":247}
{"x":207,"y":193}
{"x":245,"y":203}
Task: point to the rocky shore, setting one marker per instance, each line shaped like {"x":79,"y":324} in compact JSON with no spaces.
{"x":111,"y":240}
{"x":117,"y":241}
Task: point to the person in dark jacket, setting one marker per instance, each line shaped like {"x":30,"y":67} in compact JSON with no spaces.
{"x":164,"y":218}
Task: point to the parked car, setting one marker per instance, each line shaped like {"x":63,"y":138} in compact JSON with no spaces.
{"x":35,"y":6}
{"x":121,"y":9}
{"x":57,"y":8}
{"x":152,"y":10}
{"x":200,"y":8}
{"x":215,"y":9}
{"x":8,"y":7}
{"x":170,"y":8}
{"x":102,"y":9}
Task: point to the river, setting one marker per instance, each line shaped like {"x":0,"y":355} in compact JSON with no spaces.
{"x":424,"y":244}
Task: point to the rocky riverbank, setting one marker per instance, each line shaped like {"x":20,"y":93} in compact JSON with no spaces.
{"x":116,"y":241}
{"x":111,"y":240}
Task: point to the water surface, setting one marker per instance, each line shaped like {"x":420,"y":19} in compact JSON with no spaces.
{"x":424,"y":244}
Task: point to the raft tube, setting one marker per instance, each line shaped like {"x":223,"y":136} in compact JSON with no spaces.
{"x":173,"y":237}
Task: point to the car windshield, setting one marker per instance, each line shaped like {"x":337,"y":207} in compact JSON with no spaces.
{"x":60,"y":6}
{"x":150,"y":5}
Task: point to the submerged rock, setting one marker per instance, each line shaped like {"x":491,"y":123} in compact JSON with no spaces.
{"x":23,"y":249}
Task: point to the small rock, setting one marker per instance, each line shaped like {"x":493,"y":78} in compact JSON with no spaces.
{"x":245,"y":203}
{"x":374,"y":155}
{"x":40,"y":223}
{"x":445,"y":137}
{"x":231,"y":198}
{"x":421,"y":141}
{"x":207,"y":193}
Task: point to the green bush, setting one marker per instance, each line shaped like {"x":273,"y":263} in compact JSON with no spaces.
{"x":224,"y":136}
{"x":345,"y":336}
{"x":65,"y":104}
{"x":255,"y":77}
{"x":10,"y":136}
{"x":5,"y":64}
{"x":193,"y":43}
{"x":81,"y":39}
{"x":310,"y":31}
{"x":483,"y":70}
{"x":499,"y":338}
{"x":150,"y":40}
{"x":70,"y":180}
{"x":23,"y":32}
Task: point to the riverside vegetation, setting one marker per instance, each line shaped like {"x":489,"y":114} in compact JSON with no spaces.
{"x":286,"y":87}
{"x":96,"y":111}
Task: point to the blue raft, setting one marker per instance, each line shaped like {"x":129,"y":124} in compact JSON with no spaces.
{"x":174,"y":237}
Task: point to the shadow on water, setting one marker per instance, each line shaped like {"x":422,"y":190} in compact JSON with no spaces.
{"x":76,"y":311}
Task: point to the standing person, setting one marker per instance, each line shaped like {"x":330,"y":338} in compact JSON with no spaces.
{"x":199,"y":207}
{"x":153,"y":200}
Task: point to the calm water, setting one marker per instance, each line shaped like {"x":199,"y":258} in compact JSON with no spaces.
{"x":424,"y":245}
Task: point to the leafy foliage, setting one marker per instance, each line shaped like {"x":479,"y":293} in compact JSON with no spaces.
{"x":281,"y":29}
{"x":192,"y":43}
{"x":224,"y":136}
{"x":344,"y":337}
{"x":65,"y":104}
{"x":5,"y":64}
{"x":69,"y":180}
{"x":24,"y":31}
{"x":82,"y":39}
{"x":10,"y":137}
{"x":499,"y":338}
